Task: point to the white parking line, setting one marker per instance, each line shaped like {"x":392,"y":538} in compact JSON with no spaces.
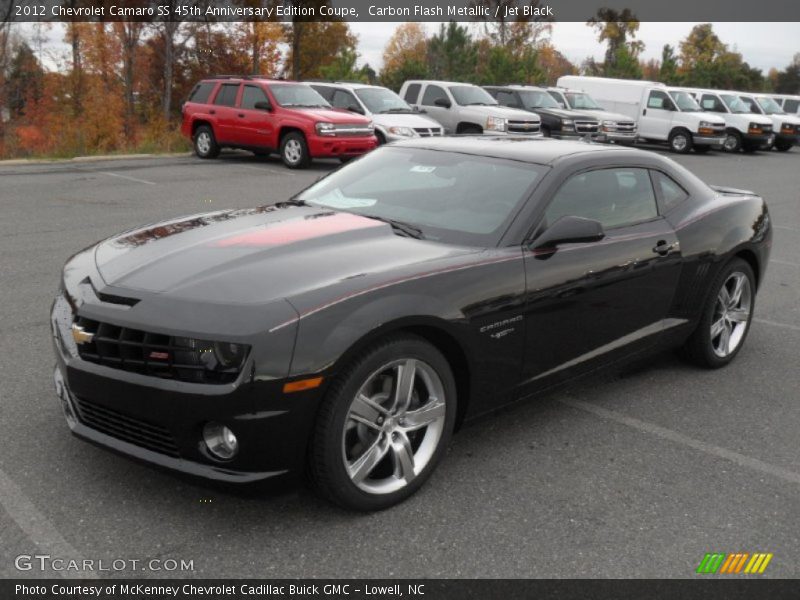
{"x":38,"y":527}
{"x":776,"y":324}
{"x":679,"y":438}
{"x":136,"y":179}
{"x":786,"y":227}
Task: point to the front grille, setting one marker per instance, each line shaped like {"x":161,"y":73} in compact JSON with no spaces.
{"x":158,"y":355}
{"x":587,"y":126}
{"x":626,"y":126}
{"x":766,"y":128}
{"x":352,"y":130}
{"x":125,"y":428}
{"x":428,"y":131}
{"x":523,"y":127}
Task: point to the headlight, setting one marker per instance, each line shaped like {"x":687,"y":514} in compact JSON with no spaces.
{"x":326,"y":129}
{"x":218,"y":357}
{"x":706,"y":124}
{"x":567,"y":124}
{"x":402,"y":131}
{"x":496,"y":124}
{"x":610,"y":123}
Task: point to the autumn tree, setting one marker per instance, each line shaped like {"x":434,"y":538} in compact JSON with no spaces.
{"x":668,"y":72}
{"x":501,"y":29}
{"x":706,"y":61}
{"x":24,"y":84}
{"x":260,"y":40}
{"x":405,"y":55}
{"x":618,"y":29}
{"x":321,"y":43}
{"x":343,"y":67}
{"x":128,"y":34}
{"x":553,"y":64}
{"x":788,"y":80}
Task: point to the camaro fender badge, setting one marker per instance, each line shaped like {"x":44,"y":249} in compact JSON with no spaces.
{"x":80,"y":335}
{"x":492,"y":328}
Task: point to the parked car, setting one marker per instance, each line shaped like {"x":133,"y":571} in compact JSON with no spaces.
{"x":467,"y":108}
{"x":785,"y":126}
{"x":393,"y":118}
{"x":745,"y":131}
{"x":348,"y":331}
{"x":790,"y":104}
{"x":557,"y":122}
{"x":616,"y":127}
{"x":662,"y":114}
{"x":272,"y":116}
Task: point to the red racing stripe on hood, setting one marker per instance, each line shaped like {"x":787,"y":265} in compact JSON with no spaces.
{"x":298,"y":230}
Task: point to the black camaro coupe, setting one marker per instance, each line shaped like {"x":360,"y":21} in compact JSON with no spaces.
{"x":346,"y":332}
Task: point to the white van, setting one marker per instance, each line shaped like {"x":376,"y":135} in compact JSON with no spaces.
{"x":785,"y":126}
{"x":662,"y":114}
{"x":789,"y":103}
{"x":745,"y":131}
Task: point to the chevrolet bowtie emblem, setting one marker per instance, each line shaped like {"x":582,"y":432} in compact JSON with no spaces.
{"x":80,"y":335}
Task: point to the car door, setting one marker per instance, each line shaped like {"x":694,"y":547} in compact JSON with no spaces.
{"x":656,"y":119}
{"x":442,"y":114}
{"x":590,"y":303}
{"x":257,"y":124}
{"x":225,"y":114}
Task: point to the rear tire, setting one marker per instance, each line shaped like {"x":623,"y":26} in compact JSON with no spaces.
{"x":471,"y":129}
{"x":680,"y":141}
{"x":383,"y":425}
{"x":725,"y":321}
{"x":205,"y":144}
{"x":294,"y":150}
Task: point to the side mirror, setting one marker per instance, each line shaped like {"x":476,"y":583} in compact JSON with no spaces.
{"x":263,"y":106}
{"x":569,"y":230}
{"x":355,"y":109}
{"x":442,"y":102}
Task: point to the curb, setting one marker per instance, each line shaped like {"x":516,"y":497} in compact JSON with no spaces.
{"x":79,"y":159}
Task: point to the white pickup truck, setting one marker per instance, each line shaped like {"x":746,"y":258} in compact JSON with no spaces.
{"x":744,"y":130}
{"x":662,"y":114}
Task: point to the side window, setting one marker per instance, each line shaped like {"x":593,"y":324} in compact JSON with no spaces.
{"x":201,"y":92}
{"x":659,"y":100}
{"x":412,"y":93}
{"x":251,"y":95}
{"x":226,"y":96}
{"x":562,"y":102}
{"x":507,"y":99}
{"x":791,"y":106}
{"x":670,"y":192}
{"x":324,"y":91}
{"x":614,"y":197}
{"x":711,"y":103}
{"x":432,"y":94}
{"x":343,"y":99}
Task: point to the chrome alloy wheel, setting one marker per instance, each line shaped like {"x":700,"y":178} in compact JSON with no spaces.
{"x":731,"y":143}
{"x":731,"y":314}
{"x":393,"y":426}
{"x":293,"y":151}
{"x":680,"y":142}
{"x":203,"y":142}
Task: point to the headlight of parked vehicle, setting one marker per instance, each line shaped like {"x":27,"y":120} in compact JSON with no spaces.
{"x":496,"y":124}
{"x":326,"y":129}
{"x":568,"y":124}
{"x":610,"y":125}
{"x":706,"y":128}
{"x":402,"y":131}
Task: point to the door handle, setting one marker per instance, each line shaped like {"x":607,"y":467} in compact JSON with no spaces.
{"x":644,"y":112}
{"x":241,"y":115}
{"x":663,"y":247}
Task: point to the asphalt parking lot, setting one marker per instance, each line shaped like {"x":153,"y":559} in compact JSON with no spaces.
{"x":637,"y":476}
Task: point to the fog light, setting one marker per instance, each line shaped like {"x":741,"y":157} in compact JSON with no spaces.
{"x":220,"y":441}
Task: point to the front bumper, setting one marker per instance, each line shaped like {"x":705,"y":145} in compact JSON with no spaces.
{"x":161,"y":421}
{"x":792,"y":138}
{"x":715,"y":141}
{"x":336,"y":146}
{"x":617,"y":137}
{"x":760,"y":138}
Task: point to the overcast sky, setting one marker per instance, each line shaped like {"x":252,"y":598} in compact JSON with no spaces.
{"x":764,"y":45}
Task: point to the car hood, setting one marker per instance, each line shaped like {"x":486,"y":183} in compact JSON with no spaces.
{"x":561,"y":113}
{"x":404,"y":120}
{"x":503,"y":112}
{"x":258,"y":255}
{"x":604,"y":115}
{"x":333,"y":115}
{"x":704,"y":116}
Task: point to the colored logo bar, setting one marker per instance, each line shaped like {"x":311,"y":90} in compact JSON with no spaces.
{"x":739,"y":562}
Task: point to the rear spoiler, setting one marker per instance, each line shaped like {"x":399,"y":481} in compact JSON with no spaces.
{"x":732,"y":191}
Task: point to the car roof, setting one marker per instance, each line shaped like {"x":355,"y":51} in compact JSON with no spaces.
{"x":438,"y":82}
{"x":351,"y":85}
{"x":517,"y":86}
{"x":543,"y":151}
{"x":243,"y":78}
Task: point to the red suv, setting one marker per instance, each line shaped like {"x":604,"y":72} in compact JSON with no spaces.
{"x":267,"y":116}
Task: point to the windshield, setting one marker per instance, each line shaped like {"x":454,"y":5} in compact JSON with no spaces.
{"x":685,"y":102}
{"x":585,"y":101}
{"x":297,"y":94}
{"x":449,"y":197}
{"x":751,"y":105}
{"x":734,"y":104}
{"x":381,"y":100}
{"x":471,"y":94}
{"x":769,"y":106}
{"x":534,"y":99}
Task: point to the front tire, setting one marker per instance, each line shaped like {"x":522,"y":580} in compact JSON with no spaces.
{"x":733,"y":142}
{"x":384,"y":425}
{"x":726,"y":317}
{"x":294,"y":151}
{"x":783,"y":145}
{"x":680,"y":141}
{"x":205,"y":144}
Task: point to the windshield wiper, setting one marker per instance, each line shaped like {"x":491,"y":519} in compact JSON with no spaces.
{"x":478,"y":104}
{"x":396,"y":110}
{"x":404,"y":228}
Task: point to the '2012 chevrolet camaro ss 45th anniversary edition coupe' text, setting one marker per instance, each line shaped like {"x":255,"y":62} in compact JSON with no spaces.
{"x":346,"y":332}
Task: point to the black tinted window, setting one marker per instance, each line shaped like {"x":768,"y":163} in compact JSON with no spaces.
{"x":201,"y":93}
{"x":614,"y":197}
{"x":226,"y":96}
{"x":711,"y":103}
{"x":507,"y":98}
{"x":343,"y":99}
{"x":324,"y":91}
{"x":432,"y":94}
{"x":412,"y":93}
{"x":251,"y":95}
{"x":671,"y":193}
{"x":791,"y":106}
